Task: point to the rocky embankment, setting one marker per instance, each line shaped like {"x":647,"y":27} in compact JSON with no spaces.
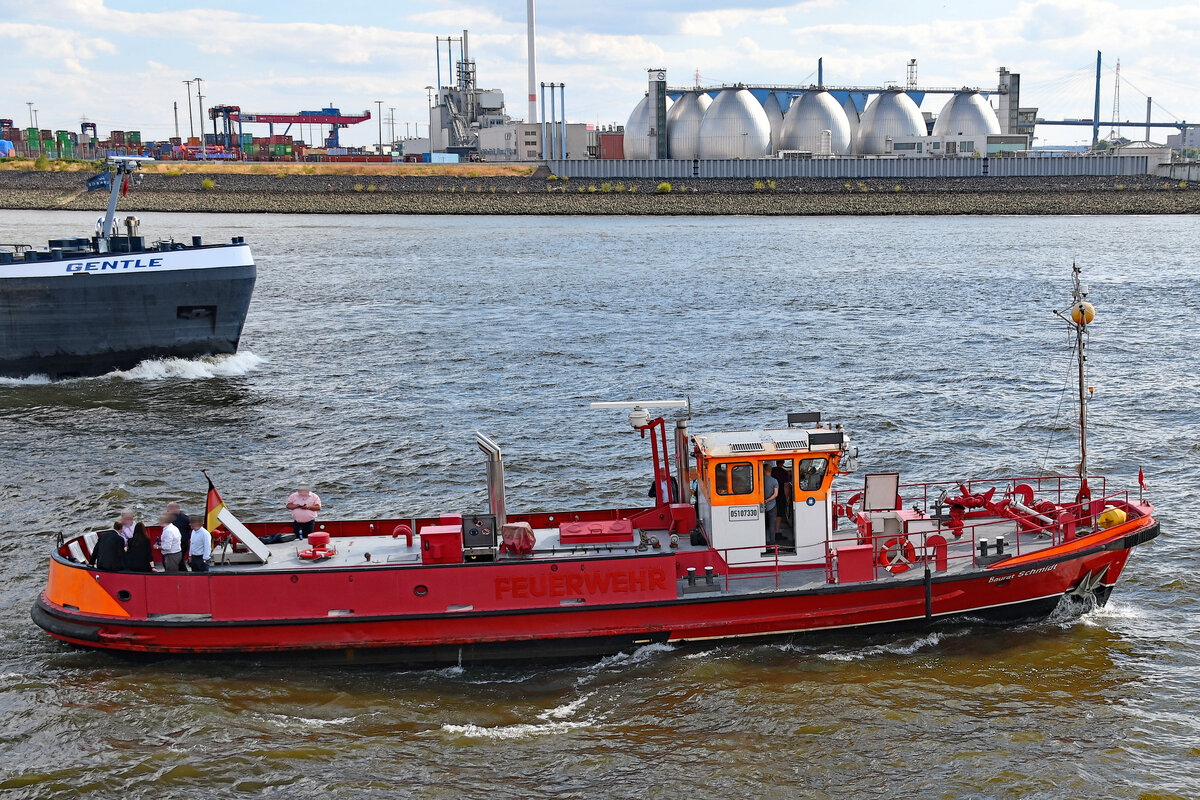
{"x":339,"y":194}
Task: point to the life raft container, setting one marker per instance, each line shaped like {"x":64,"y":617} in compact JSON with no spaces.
{"x":897,"y":555}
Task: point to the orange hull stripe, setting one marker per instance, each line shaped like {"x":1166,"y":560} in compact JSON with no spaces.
{"x":1073,"y":546}
{"x":76,"y":586}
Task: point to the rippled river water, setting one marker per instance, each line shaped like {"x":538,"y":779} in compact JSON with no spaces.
{"x":376,"y":346}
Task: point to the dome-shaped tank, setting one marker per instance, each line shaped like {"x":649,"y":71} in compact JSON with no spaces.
{"x":637,"y":142}
{"x":775,"y":117}
{"x":889,"y":116}
{"x":683,"y":124}
{"x":967,"y":114}
{"x":852,"y":118}
{"x":735,"y":126}
{"x":810,"y":114}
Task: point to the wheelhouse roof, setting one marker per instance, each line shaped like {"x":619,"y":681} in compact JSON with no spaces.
{"x":765,"y":442}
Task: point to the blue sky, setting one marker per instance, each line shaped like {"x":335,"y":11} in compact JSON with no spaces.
{"x":121,"y":63}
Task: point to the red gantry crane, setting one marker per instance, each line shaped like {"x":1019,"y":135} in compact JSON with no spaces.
{"x":333,"y":117}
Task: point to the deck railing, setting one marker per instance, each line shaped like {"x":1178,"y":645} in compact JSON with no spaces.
{"x":1021,"y":536}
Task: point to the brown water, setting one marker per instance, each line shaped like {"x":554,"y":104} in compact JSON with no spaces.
{"x":374,"y":351}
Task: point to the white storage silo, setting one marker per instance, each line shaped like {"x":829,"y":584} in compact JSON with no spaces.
{"x":967,"y":114}
{"x":735,"y":126}
{"x":890,"y":115}
{"x":683,"y":124}
{"x":810,"y":114}
{"x":852,"y":118}
{"x":775,"y":117}
{"x":637,"y":142}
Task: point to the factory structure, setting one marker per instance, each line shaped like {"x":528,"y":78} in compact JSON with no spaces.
{"x":857,"y":131}
{"x":746,"y":130}
{"x":791,"y":122}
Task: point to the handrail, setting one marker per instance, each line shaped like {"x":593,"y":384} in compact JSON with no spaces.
{"x":772,"y":566}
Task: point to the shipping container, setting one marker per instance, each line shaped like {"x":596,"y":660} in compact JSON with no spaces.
{"x":133,"y":137}
{"x":116,"y":137}
{"x":612,"y":145}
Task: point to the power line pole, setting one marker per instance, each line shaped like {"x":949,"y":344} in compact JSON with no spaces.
{"x":30,"y":104}
{"x":191,"y":126}
{"x":392,"y":120}
{"x":200,"y":103}
{"x":176,"y":107}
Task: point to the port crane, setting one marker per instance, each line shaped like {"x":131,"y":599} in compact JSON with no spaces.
{"x":234,"y":117}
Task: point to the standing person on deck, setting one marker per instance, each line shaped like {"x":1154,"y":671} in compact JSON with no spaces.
{"x":127,"y":524}
{"x":109,"y":551}
{"x":138,"y":552}
{"x":170,"y":543}
{"x":201,"y":547}
{"x":304,"y":505}
{"x":183,"y":524}
{"x":770,"y":494}
{"x":783,"y":503}
{"x":125,"y":528}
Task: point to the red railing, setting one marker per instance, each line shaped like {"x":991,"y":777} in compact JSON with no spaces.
{"x":1017,"y":537}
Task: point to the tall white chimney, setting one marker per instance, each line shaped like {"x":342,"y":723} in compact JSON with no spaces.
{"x":533,"y":110}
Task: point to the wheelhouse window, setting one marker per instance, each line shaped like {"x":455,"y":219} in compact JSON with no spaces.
{"x":736,"y":478}
{"x":811,"y":474}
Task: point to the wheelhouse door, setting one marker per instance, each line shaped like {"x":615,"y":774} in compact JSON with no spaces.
{"x":738,"y":521}
{"x":812,"y":520}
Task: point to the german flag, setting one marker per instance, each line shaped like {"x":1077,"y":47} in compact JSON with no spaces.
{"x":213,"y":507}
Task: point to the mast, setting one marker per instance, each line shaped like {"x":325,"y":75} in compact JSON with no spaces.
{"x":123,"y":167}
{"x":1082,"y":312}
{"x":114,"y":193}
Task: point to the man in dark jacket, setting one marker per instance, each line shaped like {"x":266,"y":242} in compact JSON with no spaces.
{"x":184,"y":524}
{"x":109,"y":552}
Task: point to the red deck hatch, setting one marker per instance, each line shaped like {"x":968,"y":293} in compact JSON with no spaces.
{"x":613,"y":530}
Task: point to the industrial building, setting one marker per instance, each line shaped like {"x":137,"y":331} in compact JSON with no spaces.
{"x":743,"y":122}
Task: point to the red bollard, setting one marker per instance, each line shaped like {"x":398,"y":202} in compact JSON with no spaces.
{"x":941,"y":551}
{"x":1066,"y":521}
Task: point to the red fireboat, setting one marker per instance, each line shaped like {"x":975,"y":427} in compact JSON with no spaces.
{"x":702,"y":564}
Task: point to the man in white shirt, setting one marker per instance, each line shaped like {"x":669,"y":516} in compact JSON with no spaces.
{"x":201,"y":547}
{"x":170,"y":543}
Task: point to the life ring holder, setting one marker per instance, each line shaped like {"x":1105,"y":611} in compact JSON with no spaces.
{"x":317,"y":553}
{"x":846,"y":509}
{"x":897,"y":555}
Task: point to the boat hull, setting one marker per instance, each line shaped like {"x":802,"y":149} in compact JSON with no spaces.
{"x":1026,"y":589}
{"x":59,"y":319}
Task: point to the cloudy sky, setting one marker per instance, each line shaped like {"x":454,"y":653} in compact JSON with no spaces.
{"x":121,"y":63}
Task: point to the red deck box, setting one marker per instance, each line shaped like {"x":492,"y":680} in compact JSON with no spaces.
{"x":441,"y":544}
{"x":856,"y":563}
